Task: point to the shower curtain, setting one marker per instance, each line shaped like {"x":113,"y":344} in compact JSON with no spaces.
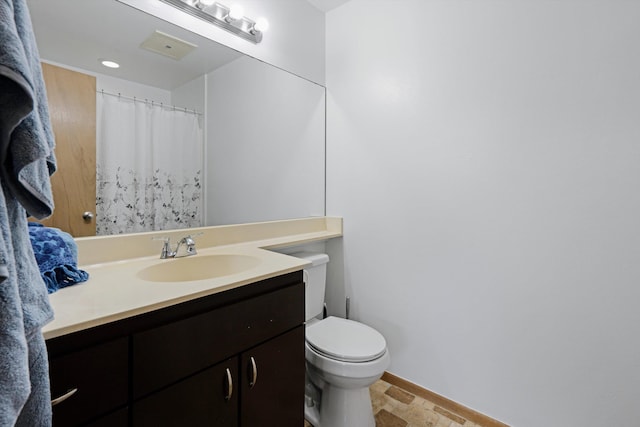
{"x":148,"y":167}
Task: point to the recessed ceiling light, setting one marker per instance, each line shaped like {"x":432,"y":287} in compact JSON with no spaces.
{"x":109,"y":64}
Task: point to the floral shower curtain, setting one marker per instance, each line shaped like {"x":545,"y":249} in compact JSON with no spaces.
{"x":149,"y":167}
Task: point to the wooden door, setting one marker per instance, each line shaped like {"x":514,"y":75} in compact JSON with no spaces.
{"x":72,"y":106}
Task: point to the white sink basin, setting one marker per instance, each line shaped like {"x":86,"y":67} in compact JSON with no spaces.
{"x":198,"y":267}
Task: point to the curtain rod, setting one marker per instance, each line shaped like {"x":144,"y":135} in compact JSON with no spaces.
{"x":147,"y":101}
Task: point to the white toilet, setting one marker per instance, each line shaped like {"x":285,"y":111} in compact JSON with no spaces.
{"x":344,"y":358}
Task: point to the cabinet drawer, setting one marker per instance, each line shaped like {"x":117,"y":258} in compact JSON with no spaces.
{"x":168,"y":353}
{"x":209,"y":398}
{"x":100,"y":374}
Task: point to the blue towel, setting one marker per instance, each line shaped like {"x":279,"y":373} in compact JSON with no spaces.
{"x":37,"y":409}
{"x":57,"y":256}
{"x":26,"y":137}
{"x":26,"y":160}
{"x":24,"y":309}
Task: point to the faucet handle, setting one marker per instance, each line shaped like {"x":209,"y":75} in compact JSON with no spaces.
{"x":191,"y":244}
{"x":166,"y":247}
{"x":189,"y":238}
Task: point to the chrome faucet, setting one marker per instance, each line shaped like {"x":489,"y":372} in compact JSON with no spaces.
{"x":186,"y":247}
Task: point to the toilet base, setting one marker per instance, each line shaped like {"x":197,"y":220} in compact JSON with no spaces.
{"x":342,"y":408}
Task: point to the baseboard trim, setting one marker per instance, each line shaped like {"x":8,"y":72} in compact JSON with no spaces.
{"x":449,"y":405}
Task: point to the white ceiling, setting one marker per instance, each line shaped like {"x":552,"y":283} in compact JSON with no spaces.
{"x":78,"y":33}
{"x":327,"y":5}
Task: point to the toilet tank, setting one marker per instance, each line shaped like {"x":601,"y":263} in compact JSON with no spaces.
{"x":315,"y":280}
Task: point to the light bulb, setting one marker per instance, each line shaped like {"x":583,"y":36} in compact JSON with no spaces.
{"x":235,"y":12}
{"x":110,"y":64}
{"x":203,"y":4}
{"x":261,"y":25}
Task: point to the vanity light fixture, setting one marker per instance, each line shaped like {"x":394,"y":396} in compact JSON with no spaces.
{"x":231,"y":19}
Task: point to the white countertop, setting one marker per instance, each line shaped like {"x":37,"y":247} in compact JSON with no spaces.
{"x":114,"y":291}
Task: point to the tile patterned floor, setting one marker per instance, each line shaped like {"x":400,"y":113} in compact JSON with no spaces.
{"x":394,"y":407}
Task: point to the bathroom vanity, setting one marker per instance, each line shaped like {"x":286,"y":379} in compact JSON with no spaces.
{"x":235,"y":358}
{"x":226,"y":351}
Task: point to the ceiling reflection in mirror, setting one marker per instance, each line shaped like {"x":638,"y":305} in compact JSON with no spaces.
{"x":263,"y":128}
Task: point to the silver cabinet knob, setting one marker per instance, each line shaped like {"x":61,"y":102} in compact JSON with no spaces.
{"x":87,"y":216}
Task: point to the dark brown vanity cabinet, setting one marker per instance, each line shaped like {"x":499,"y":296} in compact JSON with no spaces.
{"x":232,"y":359}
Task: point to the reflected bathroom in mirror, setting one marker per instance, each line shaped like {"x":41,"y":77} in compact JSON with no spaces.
{"x":188,"y":132}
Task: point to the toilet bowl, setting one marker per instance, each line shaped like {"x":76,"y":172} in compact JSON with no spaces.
{"x":343,"y":358}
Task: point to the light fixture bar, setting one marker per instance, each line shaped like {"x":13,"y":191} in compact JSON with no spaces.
{"x":218,"y":14}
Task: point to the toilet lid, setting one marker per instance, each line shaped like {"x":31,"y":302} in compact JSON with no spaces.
{"x":345,"y":340}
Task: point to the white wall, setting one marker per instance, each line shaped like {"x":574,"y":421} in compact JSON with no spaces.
{"x":295,"y":40}
{"x":131,"y":89}
{"x":265,"y":144}
{"x":191,"y":95}
{"x":485,"y":156}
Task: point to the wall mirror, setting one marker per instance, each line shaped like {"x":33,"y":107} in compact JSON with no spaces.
{"x":262,"y":129}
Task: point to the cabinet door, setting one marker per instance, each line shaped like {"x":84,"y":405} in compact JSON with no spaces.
{"x":273,"y":382}
{"x":209,"y":398}
{"x":95,"y":379}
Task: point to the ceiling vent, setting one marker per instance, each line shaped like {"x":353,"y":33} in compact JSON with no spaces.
{"x":167,"y":45}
